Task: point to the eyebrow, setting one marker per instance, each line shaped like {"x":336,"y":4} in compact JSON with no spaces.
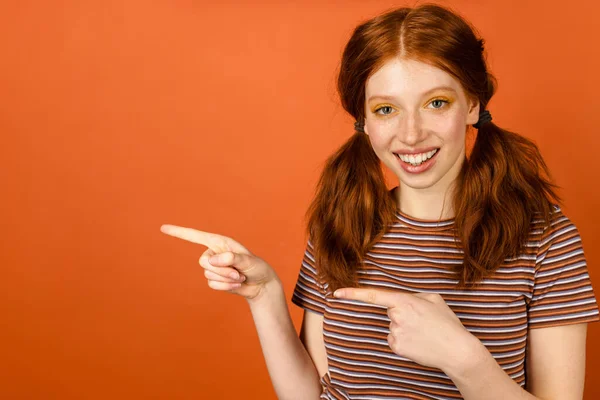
{"x":385,"y":97}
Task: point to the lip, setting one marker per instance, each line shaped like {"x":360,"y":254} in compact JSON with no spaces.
{"x":417,"y":151}
{"x":425,"y":166}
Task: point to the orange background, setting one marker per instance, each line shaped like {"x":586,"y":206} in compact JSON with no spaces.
{"x":119,"y":116}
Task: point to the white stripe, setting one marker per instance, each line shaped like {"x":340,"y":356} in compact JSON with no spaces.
{"x":494,"y":342}
{"x":562,"y":293}
{"x":563,"y":305}
{"x":356,"y":339}
{"x":497,"y":330}
{"x":416,"y":258}
{"x":394,"y":356}
{"x":565,"y":243}
{"x":310,"y":290}
{"x":408,"y":269}
{"x":562,"y":257}
{"x":486,"y":281}
{"x":389,"y":379}
{"x":399,"y":247}
{"x":491,"y":317}
{"x":473,"y":293}
{"x":562,"y":318}
{"x":307,"y":300}
{"x":558,"y":233}
{"x":518,"y":302}
{"x":428,"y":238}
{"x":357,"y":326}
{"x":362,"y":352}
{"x":388,"y":367}
{"x":543,"y":274}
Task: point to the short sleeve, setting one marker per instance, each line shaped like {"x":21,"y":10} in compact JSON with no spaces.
{"x":309,"y":293}
{"x":562,"y":292}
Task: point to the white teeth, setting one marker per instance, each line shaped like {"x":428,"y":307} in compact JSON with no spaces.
{"x":418,"y":159}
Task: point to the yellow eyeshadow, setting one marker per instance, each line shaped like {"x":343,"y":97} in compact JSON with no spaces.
{"x":378,"y":106}
{"x":441,"y":98}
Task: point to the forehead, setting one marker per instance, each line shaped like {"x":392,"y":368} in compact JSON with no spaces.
{"x":406,"y":78}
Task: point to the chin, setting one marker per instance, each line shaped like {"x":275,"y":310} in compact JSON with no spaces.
{"x":418,"y":183}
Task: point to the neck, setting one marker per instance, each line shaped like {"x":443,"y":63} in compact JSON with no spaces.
{"x":424,"y":204}
{"x":431,"y":203}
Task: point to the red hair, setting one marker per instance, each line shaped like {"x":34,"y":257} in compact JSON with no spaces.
{"x":501,"y":187}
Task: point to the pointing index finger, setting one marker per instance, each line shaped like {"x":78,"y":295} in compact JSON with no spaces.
{"x":189,"y":234}
{"x":384,"y":298}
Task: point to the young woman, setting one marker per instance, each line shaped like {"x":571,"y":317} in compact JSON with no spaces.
{"x":464,"y":281}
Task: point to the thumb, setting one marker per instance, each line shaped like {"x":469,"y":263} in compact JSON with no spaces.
{"x":242,"y":262}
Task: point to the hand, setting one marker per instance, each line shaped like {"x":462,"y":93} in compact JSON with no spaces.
{"x":423,"y":328}
{"x":228,"y":265}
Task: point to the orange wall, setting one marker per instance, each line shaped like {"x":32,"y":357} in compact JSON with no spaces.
{"x":119,"y":116}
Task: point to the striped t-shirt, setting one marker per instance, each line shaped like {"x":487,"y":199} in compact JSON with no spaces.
{"x":545,"y":286}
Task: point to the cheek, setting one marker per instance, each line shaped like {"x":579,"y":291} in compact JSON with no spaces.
{"x":377,"y":140}
{"x":380,"y":133}
{"x":454,"y":133}
{"x":380,"y":144}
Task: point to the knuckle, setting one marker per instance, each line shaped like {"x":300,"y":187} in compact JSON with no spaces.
{"x":228,"y":257}
{"x":390,"y":340}
{"x":392,"y":314}
{"x":429,"y":296}
{"x":434,"y":297}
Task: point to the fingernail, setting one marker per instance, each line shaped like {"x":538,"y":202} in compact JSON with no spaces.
{"x":213,"y":260}
{"x":236,"y":285}
{"x":234,"y":275}
{"x":338,"y":293}
{"x":242,"y":278}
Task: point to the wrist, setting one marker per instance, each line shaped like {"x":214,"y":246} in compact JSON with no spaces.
{"x":471,"y":357}
{"x":271,"y":291}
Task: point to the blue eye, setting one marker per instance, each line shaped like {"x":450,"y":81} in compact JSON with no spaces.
{"x":385,"y":107}
{"x":439,"y":101}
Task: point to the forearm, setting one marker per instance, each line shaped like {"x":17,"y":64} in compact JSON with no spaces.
{"x":483,"y":379}
{"x":289,"y":364}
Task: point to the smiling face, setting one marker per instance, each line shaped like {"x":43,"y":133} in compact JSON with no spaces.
{"x":416,"y":119}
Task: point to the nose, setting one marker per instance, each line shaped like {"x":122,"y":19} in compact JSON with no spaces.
{"x":412,"y":131}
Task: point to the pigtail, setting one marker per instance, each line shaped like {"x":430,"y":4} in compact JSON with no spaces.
{"x":502,"y":187}
{"x":349,"y":212}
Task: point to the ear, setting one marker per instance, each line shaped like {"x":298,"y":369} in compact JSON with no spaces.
{"x":364,"y":121}
{"x":473,"y":115}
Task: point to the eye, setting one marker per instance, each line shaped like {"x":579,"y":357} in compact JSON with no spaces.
{"x":440,"y":102}
{"x":389,"y":110}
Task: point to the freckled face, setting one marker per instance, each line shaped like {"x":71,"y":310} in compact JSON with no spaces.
{"x":414,"y":106}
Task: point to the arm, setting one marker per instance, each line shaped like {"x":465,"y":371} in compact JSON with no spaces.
{"x":230,"y":267}
{"x":311,"y":335}
{"x":556,"y":362}
{"x":555,"y":368}
{"x":288,"y":362}
{"x":562,"y":303}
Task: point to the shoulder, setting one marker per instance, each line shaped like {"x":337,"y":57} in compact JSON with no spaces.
{"x":558,"y":224}
{"x":558,"y":241}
